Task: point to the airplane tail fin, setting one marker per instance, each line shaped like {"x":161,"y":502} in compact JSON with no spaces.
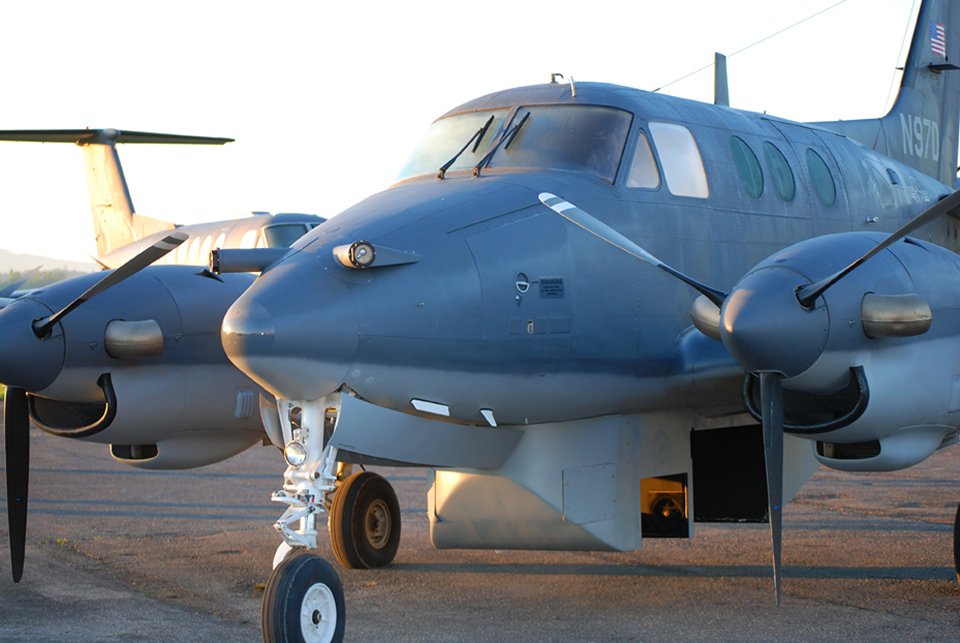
{"x":115,"y":222}
{"x":921,"y":129}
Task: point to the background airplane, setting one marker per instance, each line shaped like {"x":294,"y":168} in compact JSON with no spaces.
{"x":121,"y":232}
{"x":555,"y":384}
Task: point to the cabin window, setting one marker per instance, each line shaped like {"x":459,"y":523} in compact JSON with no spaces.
{"x":192,"y":253}
{"x":680,"y":157}
{"x":780,"y":170}
{"x":283,"y":235}
{"x":205,"y":248}
{"x":643,"y":169}
{"x":249,"y":239}
{"x":823,"y":183}
{"x":221,"y":239}
{"x":748,"y":167}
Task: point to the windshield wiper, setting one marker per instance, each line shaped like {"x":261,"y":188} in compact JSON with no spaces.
{"x":506,"y":138}
{"x":477,"y":136}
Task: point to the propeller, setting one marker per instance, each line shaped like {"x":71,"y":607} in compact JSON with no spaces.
{"x":146,"y":257}
{"x":809,"y":294}
{"x":769,"y":325}
{"x":16,"y":433}
{"x":16,"y":413}
{"x":601,"y":230}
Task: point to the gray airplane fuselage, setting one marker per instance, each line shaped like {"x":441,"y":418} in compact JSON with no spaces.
{"x":512,"y":309}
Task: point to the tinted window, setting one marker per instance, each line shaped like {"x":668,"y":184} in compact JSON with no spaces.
{"x":780,"y":171}
{"x":821,"y":177}
{"x":445,"y":138}
{"x":579,"y":138}
{"x":643,"y":170}
{"x":748,"y":167}
{"x":680,"y":157}
{"x":283,"y":235}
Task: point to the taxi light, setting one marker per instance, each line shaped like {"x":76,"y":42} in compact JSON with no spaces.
{"x":357,"y":256}
{"x":295,"y":453}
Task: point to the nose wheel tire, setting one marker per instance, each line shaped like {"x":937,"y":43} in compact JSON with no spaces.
{"x":365,"y":522}
{"x":303,"y":601}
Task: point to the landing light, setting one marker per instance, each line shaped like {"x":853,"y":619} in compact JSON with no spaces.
{"x":358,"y":255}
{"x":295,"y":453}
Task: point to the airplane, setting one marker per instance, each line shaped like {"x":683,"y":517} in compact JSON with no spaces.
{"x":469,"y":319}
{"x":121,"y":232}
{"x":502,"y":315}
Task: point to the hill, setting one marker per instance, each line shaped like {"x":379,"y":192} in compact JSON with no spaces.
{"x":23,"y":262}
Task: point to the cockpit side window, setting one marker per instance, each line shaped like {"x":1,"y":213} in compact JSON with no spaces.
{"x":282,"y":235}
{"x":643,"y":170}
{"x":683,"y":169}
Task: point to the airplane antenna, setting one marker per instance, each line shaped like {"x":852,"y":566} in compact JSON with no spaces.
{"x":573,"y":88}
{"x":721,"y":92}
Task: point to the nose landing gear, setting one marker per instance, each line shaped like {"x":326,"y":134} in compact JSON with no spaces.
{"x":304,"y":598}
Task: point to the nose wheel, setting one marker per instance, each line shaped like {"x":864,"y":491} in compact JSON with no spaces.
{"x":303,"y":601}
{"x":365,"y":522}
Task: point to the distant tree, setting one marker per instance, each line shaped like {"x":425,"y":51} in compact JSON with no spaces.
{"x":39,"y":278}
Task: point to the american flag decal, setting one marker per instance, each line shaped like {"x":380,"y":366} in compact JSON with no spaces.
{"x":938,"y":39}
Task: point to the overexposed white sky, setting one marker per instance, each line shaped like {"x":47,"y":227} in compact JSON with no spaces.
{"x":326,"y":99}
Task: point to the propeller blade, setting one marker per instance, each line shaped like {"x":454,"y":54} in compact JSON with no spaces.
{"x":771,"y":399}
{"x":16,"y":426}
{"x":602,"y":231}
{"x":809,"y":294}
{"x":8,"y":290}
{"x":42,"y":326}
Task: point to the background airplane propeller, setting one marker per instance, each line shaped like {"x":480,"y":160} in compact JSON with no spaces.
{"x":16,"y":414}
{"x":769,"y":324}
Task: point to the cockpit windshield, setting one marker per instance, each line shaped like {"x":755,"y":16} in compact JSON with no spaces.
{"x":448,"y":135}
{"x":578,"y":138}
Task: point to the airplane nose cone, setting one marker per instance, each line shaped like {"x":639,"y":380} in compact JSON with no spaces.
{"x":27,"y":361}
{"x":765,"y":328}
{"x":293,"y":331}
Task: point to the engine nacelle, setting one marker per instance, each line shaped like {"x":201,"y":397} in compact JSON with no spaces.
{"x":144,"y":371}
{"x":905,"y":448}
{"x":880,"y":349}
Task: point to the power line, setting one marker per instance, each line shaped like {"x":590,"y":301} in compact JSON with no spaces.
{"x":762,"y":40}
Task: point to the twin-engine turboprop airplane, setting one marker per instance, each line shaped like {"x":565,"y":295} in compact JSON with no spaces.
{"x":140,"y":368}
{"x":458,"y":320}
{"x":121,"y":232}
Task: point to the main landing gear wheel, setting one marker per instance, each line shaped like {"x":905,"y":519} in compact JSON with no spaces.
{"x":303,"y":602}
{"x":365,"y":522}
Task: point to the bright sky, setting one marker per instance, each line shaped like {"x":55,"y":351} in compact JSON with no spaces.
{"x":326,"y":99}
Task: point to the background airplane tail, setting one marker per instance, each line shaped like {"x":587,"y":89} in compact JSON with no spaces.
{"x":115,"y":222}
{"x":921,"y":129}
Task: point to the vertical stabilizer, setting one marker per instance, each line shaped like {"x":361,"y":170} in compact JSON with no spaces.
{"x":115,"y":222}
{"x":110,"y":201}
{"x":921,"y":129}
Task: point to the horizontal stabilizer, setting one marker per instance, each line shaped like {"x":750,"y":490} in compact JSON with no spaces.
{"x":105,"y":137}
